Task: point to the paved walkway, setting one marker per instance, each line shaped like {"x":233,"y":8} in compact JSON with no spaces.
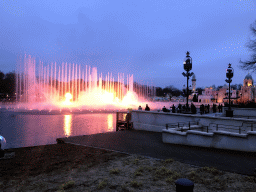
{"x":150,"y":144}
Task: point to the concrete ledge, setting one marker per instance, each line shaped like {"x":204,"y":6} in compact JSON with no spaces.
{"x":170,"y":136}
{"x":151,"y":120}
{"x":156,"y":121}
{"x":174,"y":131}
{"x":217,"y":139}
{"x":200,"y":139}
{"x":147,"y":127}
{"x":230,"y":134}
{"x":191,"y":128}
{"x":199,"y":133}
{"x":251,"y":132}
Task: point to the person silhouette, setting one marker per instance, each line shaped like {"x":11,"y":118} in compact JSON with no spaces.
{"x":147,"y":108}
{"x":173,"y":108}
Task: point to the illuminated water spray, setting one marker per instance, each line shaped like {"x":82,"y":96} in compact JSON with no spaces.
{"x":68,"y":98}
{"x":70,"y":85}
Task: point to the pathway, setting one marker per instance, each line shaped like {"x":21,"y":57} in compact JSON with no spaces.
{"x":150,"y":144}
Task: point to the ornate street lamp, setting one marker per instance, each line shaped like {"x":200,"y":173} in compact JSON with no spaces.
{"x":187,"y":64}
{"x":229,"y":75}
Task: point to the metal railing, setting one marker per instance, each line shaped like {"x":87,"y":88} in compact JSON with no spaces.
{"x":213,"y":126}
{"x":218,"y":126}
{"x":181,"y":124}
{"x":250,"y":125}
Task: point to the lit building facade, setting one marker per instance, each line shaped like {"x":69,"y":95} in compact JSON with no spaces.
{"x":247,"y":93}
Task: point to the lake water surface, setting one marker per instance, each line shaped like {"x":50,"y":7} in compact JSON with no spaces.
{"x":22,"y":130}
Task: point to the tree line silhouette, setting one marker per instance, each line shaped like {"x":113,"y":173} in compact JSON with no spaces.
{"x":7,"y":85}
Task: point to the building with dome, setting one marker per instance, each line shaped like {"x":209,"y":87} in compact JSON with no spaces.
{"x":247,"y":93}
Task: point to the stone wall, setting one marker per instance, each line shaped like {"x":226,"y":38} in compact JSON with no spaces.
{"x":156,"y":121}
{"x":217,"y":139}
{"x":221,"y":138}
{"x":246,"y":112}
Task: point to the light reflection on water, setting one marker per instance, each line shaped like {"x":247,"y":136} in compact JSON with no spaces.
{"x":110,"y":122}
{"x":21,"y":130}
{"x":67,"y":125}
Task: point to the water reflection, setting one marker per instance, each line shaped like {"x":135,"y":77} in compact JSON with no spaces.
{"x":67,"y":125}
{"x":110,"y":122}
{"x":23,"y":130}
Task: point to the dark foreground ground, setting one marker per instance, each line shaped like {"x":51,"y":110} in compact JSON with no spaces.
{"x":67,"y":167}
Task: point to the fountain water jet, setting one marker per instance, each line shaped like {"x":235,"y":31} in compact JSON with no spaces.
{"x":67,"y":86}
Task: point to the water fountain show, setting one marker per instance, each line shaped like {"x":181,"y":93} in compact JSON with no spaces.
{"x":70,"y":86}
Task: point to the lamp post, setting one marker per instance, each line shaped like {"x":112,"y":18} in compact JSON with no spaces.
{"x":187,"y":64}
{"x":229,"y":75}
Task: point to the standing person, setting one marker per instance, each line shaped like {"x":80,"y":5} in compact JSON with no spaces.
{"x":193,"y":108}
{"x":201,"y":109}
{"x":179,"y":108}
{"x":173,"y":108}
{"x":140,"y":108}
{"x":147,"y":108}
{"x":219,"y":108}
{"x":205,"y":108}
{"x":214,"y":108}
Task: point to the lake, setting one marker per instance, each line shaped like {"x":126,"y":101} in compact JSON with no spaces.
{"x":28,"y":129}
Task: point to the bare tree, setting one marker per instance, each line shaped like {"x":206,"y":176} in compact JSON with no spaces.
{"x":251,"y":64}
